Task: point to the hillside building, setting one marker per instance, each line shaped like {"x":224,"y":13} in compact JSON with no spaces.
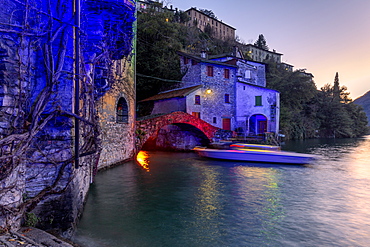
{"x":219,"y":29}
{"x":261,"y":55}
{"x":156,"y":6}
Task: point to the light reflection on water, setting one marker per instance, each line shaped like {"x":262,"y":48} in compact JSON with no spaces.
{"x":182,"y":200}
{"x":143,"y":160}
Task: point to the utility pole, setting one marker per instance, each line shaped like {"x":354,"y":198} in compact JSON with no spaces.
{"x":77,"y":9}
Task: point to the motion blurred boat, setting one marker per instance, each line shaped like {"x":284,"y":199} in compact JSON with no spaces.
{"x":242,"y":146}
{"x":255,"y":153}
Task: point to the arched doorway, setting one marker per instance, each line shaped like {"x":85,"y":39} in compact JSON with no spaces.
{"x":122,"y":111}
{"x":257,"y":124}
{"x":177,"y":137}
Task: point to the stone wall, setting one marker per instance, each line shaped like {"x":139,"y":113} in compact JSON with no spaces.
{"x":16,"y":67}
{"x":47,"y":176}
{"x":246,"y":106}
{"x":48,"y":167}
{"x":180,"y":138}
{"x":117,"y":138}
{"x":11,"y":196}
{"x":148,"y":129}
{"x":213,"y":104}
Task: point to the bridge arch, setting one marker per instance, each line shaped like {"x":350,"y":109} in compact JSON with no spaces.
{"x":147,"y":128}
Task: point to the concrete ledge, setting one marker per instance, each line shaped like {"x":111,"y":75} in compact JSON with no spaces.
{"x":32,"y":237}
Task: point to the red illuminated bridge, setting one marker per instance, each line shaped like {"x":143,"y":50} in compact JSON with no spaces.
{"x":147,"y":128}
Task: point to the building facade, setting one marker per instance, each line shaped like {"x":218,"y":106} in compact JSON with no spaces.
{"x":260,"y":55}
{"x":226,"y":91}
{"x":219,"y":29}
{"x":156,"y":6}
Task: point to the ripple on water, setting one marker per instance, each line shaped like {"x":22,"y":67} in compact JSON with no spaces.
{"x":182,"y":200}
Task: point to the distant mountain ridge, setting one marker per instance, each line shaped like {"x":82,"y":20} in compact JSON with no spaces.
{"x":364,"y":101}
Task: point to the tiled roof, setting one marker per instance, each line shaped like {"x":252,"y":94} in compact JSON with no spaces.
{"x":173,"y":93}
{"x":205,"y":60}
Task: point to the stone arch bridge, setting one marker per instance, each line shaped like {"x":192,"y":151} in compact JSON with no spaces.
{"x":147,"y":128}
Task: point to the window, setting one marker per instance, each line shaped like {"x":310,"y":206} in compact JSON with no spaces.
{"x":193,"y":62}
{"x":197,"y":100}
{"x":258,"y":101}
{"x":209,"y":70}
{"x":196,"y":114}
{"x":214,"y":120}
{"x":122,"y":111}
{"x":227,"y":98}
{"x":226,"y":73}
{"x":247,"y":74}
{"x":186,"y":60}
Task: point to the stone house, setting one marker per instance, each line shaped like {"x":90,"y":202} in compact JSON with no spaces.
{"x":72,"y":94}
{"x":256,"y":107}
{"x":226,"y":91}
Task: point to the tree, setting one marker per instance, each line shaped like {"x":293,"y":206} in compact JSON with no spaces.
{"x":297,"y":90}
{"x":158,"y":41}
{"x":339,"y":117}
{"x":158,"y":66}
{"x":306,"y":112}
{"x":208,"y":30}
{"x":209,"y":13}
{"x":261,"y":43}
{"x":181,"y":17}
{"x":336,"y":90}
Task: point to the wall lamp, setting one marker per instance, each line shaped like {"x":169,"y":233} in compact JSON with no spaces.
{"x":208,"y":91}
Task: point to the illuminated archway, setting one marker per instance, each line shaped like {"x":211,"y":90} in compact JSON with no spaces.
{"x":176,"y":136}
{"x":257,"y":124}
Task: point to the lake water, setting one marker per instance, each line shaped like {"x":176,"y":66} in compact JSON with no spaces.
{"x":179,"y":199}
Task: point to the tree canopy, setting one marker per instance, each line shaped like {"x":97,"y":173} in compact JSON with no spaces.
{"x":209,"y":13}
{"x":159,"y":37}
{"x":261,"y":42}
{"x":307,"y":112}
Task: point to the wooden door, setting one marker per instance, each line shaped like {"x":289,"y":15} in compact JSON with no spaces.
{"x":226,"y":123}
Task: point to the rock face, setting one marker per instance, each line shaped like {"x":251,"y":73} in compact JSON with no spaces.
{"x":364,"y":101}
{"x":11,"y":197}
{"x":42,"y":183}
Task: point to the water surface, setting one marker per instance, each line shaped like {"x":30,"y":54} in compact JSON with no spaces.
{"x":179,"y":199}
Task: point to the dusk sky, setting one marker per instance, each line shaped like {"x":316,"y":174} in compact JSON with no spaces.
{"x":321,"y":36}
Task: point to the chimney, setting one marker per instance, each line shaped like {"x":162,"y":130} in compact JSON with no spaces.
{"x":203,"y":54}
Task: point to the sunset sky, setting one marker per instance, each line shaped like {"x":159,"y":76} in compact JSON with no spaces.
{"x":322,"y":36}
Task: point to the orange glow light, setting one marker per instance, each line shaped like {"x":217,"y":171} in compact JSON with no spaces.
{"x":143,"y":159}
